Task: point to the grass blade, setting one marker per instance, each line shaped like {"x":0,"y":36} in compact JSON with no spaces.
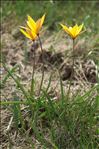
{"x":17,"y":81}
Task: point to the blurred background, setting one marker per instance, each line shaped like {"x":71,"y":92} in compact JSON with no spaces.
{"x":65,"y":11}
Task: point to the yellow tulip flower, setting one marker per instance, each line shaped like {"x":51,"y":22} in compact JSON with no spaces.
{"x":33,"y":28}
{"x":28,"y":33}
{"x":74,"y":31}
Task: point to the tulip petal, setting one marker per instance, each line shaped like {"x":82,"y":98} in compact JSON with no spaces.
{"x":67,"y":30}
{"x":31,"y":23}
{"x":31,"y":26}
{"x":39,"y":23}
{"x":32,"y":34}
{"x":74,"y":30}
{"x":26,"y":28}
{"x":80,"y":28}
{"x":42,"y":19}
{"x":65,"y":27}
{"x":25,"y":33}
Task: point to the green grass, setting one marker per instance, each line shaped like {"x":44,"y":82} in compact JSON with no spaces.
{"x":66,"y":123}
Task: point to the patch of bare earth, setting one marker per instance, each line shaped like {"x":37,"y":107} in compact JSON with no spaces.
{"x":57,"y":57}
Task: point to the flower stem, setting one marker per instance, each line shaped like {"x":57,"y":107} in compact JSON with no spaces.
{"x":33,"y":69}
{"x":43,"y":65}
{"x":72,"y":69}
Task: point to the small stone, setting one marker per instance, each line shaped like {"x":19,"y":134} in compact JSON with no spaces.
{"x":66,"y":73}
{"x":1,"y":70}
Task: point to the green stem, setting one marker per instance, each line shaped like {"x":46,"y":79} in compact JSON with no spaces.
{"x":72,"y":69}
{"x":43,"y":65}
{"x":33,"y":72}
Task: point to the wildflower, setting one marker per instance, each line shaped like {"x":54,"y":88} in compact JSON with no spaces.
{"x":74,"y":31}
{"x":33,"y":28}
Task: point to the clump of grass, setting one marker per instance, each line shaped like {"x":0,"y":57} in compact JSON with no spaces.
{"x":57,"y":124}
{"x":70,"y":122}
